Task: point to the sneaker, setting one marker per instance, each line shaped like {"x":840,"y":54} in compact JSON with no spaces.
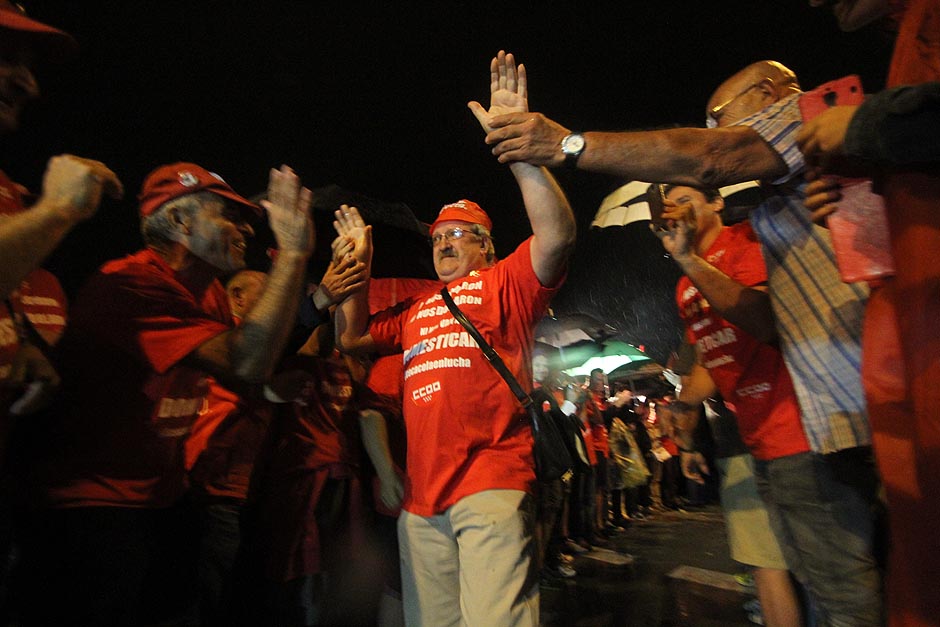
{"x":563,"y":570}
{"x":753,"y":610}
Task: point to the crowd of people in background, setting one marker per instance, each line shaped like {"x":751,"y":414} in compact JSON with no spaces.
{"x":295,"y":450}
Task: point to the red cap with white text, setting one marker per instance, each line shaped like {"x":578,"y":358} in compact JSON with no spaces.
{"x":463,"y":211}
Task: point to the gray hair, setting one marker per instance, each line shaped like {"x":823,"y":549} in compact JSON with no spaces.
{"x":481,"y":231}
{"x":157,"y":228}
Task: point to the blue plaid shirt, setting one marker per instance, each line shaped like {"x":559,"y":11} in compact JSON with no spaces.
{"x":819,"y":318}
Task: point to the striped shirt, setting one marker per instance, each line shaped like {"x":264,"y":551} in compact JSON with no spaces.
{"x":819,"y":318}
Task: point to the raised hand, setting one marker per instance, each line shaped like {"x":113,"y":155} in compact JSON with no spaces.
{"x":350,"y":225}
{"x":508,"y":90}
{"x":678,"y":238}
{"x":288,"y":207}
{"x":76,"y":184}
{"x":342,"y":278}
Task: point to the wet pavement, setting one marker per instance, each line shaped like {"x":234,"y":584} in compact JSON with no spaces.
{"x":691,"y":545}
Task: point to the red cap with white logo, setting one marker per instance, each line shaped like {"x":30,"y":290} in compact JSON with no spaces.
{"x":178,"y":179}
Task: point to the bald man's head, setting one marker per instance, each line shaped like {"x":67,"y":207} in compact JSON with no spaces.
{"x":749,"y":90}
{"x":243,"y":290}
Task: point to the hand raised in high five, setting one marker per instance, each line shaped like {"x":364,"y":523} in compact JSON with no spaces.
{"x":342,"y":277}
{"x":350,"y":225}
{"x":288,"y":207}
{"x":508,"y":90}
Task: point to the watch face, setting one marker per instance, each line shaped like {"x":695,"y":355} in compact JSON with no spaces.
{"x":572,"y":144}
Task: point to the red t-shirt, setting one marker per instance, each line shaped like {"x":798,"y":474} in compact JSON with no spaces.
{"x":40,"y":300}
{"x":466,"y":431}
{"x":324,"y":430}
{"x":225,"y":442}
{"x":127,"y":402}
{"x":598,"y":405}
{"x":11,"y":196}
{"x":751,"y":375}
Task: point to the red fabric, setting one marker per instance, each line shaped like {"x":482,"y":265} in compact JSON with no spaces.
{"x":315,"y":442}
{"x":128,"y":403}
{"x":41,"y":300}
{"x":385,"y":293}
{"x":466,"y":431}
{"x":669,"y":445}
{"x":751,"y":375}
{"x":325,"y":429}
{"x":597,"y":404}
{"x":901,"y":360}
{"x":11,"y":196}
{"x":225,"y":442}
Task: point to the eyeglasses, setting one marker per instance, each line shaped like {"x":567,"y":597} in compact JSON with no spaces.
{"x":711,"y":120}
{"x":450,"y":235}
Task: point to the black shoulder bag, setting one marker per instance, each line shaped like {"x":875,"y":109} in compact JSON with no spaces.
{"x":552,"y":458}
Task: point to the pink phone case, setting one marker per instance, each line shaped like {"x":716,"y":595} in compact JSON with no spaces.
{"x":859,"y":228}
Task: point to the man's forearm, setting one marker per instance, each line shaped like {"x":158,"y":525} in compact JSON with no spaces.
{"x":27,"y":238}
{"x":352,"y":323}
{"x":551,"y":218}
{"x":742,"y":306}
{"x":375,"y":441}
{"x":685,"y":156}
{"x":897,"y":126}
{"x":256,"y":345}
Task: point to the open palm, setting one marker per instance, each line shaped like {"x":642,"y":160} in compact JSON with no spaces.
{"x":508,"y":90}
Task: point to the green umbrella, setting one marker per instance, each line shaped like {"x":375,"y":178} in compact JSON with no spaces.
{"x":614,"y":354}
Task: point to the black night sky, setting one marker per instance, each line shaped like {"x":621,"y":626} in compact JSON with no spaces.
{"x":371,"y":97}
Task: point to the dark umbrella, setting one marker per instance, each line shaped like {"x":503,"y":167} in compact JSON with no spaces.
{"x":400,"y":240}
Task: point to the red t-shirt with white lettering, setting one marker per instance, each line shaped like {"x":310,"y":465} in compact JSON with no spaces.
{"x":128,"y":403}
{"x":750,"y":374}
{"x":466,"y":431}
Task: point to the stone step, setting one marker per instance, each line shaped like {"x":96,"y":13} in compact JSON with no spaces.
{"x":707,"y":597}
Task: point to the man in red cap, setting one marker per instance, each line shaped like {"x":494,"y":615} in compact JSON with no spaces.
{"x":32,"y":303}
{"x":72,"y":186}
{"x":465,"y":530}
{"x":72,"y":189}
{"x":145,"y":332}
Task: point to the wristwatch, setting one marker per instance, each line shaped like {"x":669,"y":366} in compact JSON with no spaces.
{"x":572,"y":146}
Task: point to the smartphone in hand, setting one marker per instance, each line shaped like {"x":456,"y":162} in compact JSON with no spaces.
{"x":859,"y":228}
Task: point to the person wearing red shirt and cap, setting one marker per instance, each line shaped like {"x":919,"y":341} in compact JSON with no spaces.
{"x":72,"y":186}
{"x":145,"y":331}
{"x":32,"y":303}
{"x":465,"y":531}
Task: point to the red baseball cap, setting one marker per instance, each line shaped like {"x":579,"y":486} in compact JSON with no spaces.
{"x":464,"y":211}
{"x":178,"y":179}
{"x":55,"y":43}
